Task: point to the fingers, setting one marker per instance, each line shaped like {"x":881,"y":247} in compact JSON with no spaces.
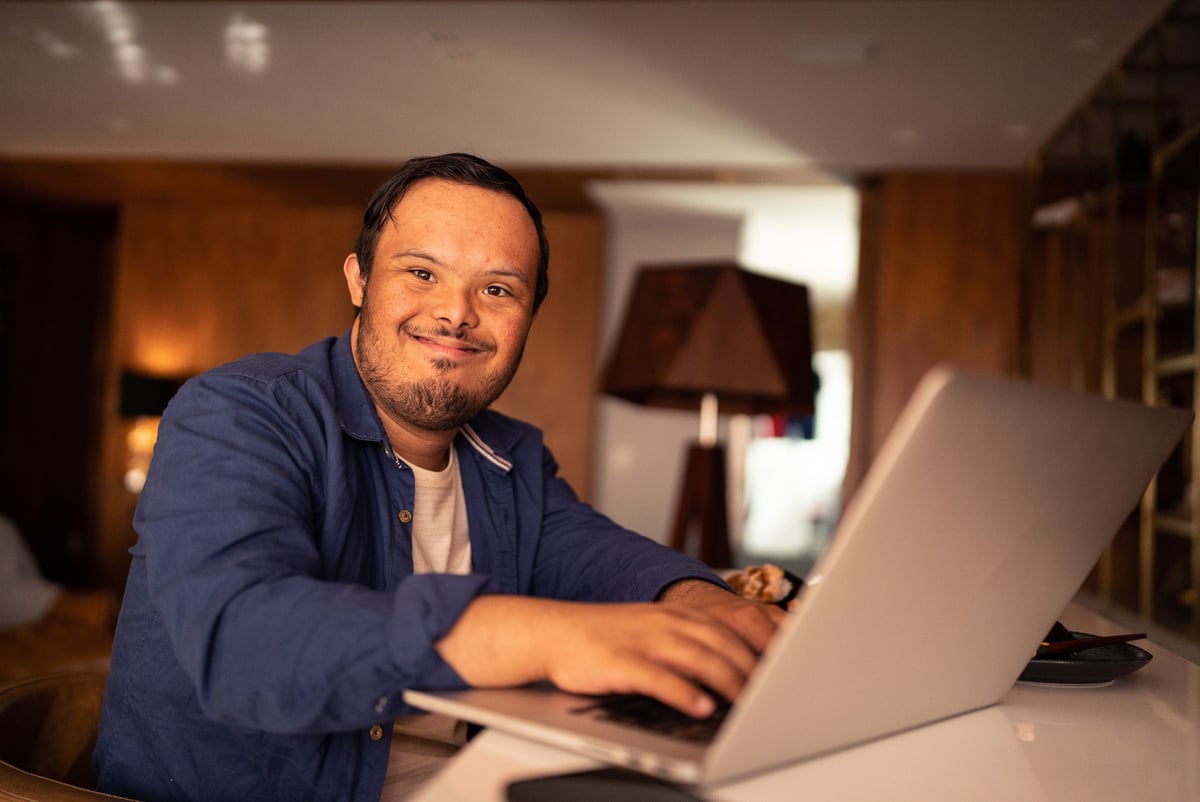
{"x":708,"y":655}
{"x":675,"y":690}
{"x":754,"y":621}
{"x":658,"y":650}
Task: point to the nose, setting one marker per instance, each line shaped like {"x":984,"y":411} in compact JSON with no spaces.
{"x":456,"y":308}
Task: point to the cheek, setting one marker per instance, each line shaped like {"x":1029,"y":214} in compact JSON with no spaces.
{"x":512,"y":333}
{"x":388,"y":307}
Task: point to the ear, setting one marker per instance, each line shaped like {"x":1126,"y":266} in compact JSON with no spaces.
{"x":354,"y":280}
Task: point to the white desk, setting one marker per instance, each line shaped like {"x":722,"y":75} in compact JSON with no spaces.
{"x":1138,"y":739}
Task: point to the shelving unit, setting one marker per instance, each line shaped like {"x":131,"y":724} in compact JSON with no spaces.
{"x":1112,"y":280}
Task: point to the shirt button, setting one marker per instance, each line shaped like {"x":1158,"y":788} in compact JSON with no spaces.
{"x":405,"y":516}
{"x":376,"y":732}
{"x":380,"y":704}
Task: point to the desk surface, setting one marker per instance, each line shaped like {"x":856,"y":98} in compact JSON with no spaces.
{"x":1138,"y":738}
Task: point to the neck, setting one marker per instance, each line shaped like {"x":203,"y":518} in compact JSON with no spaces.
{"x":428,"y":450}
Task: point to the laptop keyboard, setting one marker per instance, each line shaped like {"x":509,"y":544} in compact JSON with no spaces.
{"x":648,"y":713}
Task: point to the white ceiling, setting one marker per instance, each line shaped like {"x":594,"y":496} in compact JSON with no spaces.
{"x":761,"y":86}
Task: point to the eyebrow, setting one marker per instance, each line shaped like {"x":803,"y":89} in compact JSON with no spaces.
{"x":510,"y":273}
{"x":410,"y":252}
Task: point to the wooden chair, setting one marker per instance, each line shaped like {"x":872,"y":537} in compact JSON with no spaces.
{"x":48,"y":727}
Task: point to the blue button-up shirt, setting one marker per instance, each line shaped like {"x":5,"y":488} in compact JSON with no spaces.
{"x":271,"y":617}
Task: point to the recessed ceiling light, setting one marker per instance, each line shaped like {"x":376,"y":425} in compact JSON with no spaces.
{"x":455,"y":56}
{"x":1018,"y":131}
{"x":54,"y":46}
{"x":246,"y":46}
{"x":115,"y":124}
{"x":119,"y":27}
{"x":1085,"y":44}
{"x":439,"y":38}
{"x":834,"y":49}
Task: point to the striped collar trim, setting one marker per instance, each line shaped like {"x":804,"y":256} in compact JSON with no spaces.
{"x":483,"y":448}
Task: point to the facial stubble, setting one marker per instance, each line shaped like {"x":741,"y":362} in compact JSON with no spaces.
{"x":437,"y":403}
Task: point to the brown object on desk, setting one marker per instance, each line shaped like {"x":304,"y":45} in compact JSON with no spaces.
{"x":765,"y":583}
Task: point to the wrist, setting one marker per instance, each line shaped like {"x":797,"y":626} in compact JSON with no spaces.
{"x":691,"y":587}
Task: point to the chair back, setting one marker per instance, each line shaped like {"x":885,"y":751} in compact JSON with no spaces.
{"x":48,"y":728}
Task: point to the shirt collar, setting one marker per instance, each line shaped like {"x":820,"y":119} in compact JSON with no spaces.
{"x":355,"y":408}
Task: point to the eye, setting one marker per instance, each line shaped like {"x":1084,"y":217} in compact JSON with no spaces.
{"x":422,"y":274}
{"x":497,"y":291}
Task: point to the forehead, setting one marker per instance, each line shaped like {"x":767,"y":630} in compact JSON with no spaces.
{"x":442,"y":203}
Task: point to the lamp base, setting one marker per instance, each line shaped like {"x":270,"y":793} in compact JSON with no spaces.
{"x":701,"y":509}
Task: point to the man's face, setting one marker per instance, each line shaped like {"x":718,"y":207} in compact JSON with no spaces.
{"x":447,"y":305}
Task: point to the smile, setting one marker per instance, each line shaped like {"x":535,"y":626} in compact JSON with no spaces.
{"x":451,"y":347}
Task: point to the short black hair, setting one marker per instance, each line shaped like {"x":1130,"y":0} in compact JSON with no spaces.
{"x":461,"y":168}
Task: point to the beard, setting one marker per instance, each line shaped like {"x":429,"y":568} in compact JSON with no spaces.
{"x":437,"y":403}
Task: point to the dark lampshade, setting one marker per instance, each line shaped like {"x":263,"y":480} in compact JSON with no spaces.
{"x":143,"y":395}
{"x":714,"y":327}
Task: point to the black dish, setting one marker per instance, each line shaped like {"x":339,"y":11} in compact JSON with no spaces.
{"x":1099,"y":664}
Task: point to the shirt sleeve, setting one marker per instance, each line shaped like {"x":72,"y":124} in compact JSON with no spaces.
{"x":584,"y":555}
{"x":262,"y":619}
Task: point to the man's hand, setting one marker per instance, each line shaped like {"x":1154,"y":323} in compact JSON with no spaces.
{"x":698,"y":635}
{"x":754,"y":621}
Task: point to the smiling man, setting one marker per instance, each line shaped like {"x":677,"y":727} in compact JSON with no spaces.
{"x":321,"y":531}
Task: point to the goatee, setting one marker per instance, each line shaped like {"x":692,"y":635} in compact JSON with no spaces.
{"x":433,"y":404}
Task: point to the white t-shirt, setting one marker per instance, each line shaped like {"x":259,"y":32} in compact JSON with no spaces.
{"x":440,"y":544}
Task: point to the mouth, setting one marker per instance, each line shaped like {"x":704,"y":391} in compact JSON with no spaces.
{"x":451,"y":347}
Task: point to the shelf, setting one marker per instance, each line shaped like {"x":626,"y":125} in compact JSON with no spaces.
{"x":1177,"y":524}
{"x":1176,"y":365}
{"x":1134,"y":314}
{"x":1116,"y":234}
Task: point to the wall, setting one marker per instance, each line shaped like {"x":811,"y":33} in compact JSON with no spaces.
{"x":940,"y":280}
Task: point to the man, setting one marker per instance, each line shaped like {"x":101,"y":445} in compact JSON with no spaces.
{"x":321,"y":531}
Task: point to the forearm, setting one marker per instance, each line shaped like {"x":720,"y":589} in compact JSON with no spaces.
{"x":583,"y":555}
{"x":497,"y":641}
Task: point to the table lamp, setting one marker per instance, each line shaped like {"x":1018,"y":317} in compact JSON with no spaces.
{"x":699,"y":335}
{"x":142,"y":398}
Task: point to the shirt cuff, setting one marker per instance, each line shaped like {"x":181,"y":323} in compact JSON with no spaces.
{"x":426,"y":607}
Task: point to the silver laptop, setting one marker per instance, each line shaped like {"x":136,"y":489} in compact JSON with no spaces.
{"x":978,"y":521}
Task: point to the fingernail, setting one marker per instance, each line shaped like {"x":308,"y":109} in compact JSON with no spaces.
{"x":703,"y":706}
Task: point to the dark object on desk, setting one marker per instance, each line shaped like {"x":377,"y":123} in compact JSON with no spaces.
{"x":598,"y":785}
{"x":1100,"y":663}
{"x":1073,"y":645}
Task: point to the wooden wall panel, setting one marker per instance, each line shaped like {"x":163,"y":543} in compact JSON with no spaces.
{"x":939,"y":282}
{"x":202,"y":284}
{"x":556,"y":385}
{"x":1065,"y":307}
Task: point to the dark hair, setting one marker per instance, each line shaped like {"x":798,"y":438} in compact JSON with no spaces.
{"x":461,"y":168}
